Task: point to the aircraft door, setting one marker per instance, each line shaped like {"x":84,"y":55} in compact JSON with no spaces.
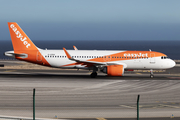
{"x":152,"y":58}
{"x":39,"y":57}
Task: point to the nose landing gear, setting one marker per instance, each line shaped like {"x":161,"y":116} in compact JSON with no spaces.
{"x":151,"y":73}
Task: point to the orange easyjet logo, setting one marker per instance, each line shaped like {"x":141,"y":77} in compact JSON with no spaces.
{"x":19,"y":35}
{"x":135,"y":55}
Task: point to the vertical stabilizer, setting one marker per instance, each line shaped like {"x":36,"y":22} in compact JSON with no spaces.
{"x":20,"y":40}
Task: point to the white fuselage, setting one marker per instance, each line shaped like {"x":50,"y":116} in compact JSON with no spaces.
{"x":57,"y":58}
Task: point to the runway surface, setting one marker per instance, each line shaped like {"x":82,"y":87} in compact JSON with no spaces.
{"x":73,"y":94}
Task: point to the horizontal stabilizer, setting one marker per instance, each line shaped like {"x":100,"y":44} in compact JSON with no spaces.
{"x":14,"y":55}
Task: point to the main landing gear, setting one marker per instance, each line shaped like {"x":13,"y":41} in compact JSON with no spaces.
{"x":94,"y":73}
{"x":151,"y":73}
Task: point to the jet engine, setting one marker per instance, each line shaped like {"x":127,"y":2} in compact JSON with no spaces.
{"x":113,"y":70}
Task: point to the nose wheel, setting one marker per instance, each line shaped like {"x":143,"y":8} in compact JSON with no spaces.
{"x":151,"y":73}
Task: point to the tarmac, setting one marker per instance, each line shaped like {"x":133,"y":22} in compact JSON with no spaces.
{"x":72,"y":94}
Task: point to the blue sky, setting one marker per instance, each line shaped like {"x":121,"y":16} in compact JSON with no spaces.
{"x":92,"y":19}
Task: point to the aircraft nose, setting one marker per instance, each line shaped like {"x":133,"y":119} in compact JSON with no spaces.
{"x":172,"y":63}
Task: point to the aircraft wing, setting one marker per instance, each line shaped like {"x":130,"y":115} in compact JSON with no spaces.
{"x":81,"y":61}
{"x":90,"y":63}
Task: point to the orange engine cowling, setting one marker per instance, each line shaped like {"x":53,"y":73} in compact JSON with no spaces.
{"x":114,"y":70}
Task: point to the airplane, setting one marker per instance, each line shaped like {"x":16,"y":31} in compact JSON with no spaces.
{"x":111,"y":62}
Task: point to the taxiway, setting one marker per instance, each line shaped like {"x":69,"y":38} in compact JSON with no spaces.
{"x":73,"y":94}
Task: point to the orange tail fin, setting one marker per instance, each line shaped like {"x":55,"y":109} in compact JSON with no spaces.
{"x":20,"y":40}
{"x":24,"y":48}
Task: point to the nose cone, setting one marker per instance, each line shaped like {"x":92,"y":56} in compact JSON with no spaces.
{"x":172,"y":64}
{"x":167,"y":63}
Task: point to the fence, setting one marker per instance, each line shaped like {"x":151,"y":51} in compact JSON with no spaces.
{"x":52,"y":104}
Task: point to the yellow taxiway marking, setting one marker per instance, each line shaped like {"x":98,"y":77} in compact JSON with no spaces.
{"x":10,"y":71}
{"x":101,"y":118}
{"x":169,"y":106}
{"x":126,"y":106}
{"x":150,"y":106}
{"x":139,"y":73}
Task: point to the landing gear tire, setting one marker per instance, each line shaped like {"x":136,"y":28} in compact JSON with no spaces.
{"x":93,"y":75}
{"x":151,"y":76}
{"x":151,"y":73}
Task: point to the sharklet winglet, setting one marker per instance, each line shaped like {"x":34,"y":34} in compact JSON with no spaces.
{"x":75,"y":48}
{"x":67,"y":54}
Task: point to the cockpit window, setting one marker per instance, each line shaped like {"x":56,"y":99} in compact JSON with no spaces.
{"x":164,"y":57}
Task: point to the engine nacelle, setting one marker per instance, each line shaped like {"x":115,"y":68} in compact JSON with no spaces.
{"x":114,"y":70}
